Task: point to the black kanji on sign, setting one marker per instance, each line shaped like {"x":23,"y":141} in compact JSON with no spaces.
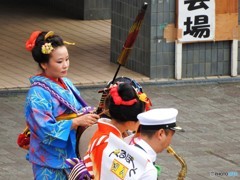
{"x":200,"y":28}
{"x":193,"y":6}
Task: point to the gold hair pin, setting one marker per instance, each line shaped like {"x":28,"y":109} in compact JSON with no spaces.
{"x":49,"y":34}
{"x":68,"y":43}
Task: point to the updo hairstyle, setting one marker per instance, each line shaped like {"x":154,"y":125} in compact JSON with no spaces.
{"x":37,"y":54}
{"x":123,"y":113}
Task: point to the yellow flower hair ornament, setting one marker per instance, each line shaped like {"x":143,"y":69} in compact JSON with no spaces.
{"x":47,"y":48}
{"x":143,"y":97}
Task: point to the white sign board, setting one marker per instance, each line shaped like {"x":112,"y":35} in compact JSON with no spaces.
{"x":196,"y":19}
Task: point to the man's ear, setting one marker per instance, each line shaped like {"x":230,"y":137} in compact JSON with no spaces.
{"x":160,"y":133}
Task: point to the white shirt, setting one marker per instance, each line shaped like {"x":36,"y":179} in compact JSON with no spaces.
{"x":150,"y":173}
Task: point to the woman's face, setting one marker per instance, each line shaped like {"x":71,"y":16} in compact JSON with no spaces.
{"x":58,"y":64}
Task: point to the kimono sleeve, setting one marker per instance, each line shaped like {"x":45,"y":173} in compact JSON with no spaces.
{"x":41,"y":121}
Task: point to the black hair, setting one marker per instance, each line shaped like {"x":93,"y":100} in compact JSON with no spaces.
{"x":37,"y":54}
{"x":123,"y":113}
{"x":105,"y":92}
{"x":150,"y":132}
{"x":124,"y":79}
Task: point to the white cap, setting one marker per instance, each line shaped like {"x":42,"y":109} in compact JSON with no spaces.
{"x":162,"y":118}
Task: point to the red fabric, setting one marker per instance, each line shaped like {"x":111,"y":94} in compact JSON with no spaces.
{"x":31,"y":41}
{"x":23,"y":141}
{"x":59,"y":81}
{"x":118,"y":100}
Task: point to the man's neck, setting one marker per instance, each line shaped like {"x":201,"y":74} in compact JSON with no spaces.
{"x":151,"y":142}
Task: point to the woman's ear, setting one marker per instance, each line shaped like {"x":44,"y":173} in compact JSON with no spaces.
{"x":44,"y":66}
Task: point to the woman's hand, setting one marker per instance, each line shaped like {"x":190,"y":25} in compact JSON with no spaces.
{"x":85,"y":120}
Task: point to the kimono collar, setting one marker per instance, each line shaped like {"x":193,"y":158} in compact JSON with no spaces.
{"x":58,"y":81}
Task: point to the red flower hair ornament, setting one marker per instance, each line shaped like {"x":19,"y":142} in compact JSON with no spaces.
{"x":31,"y":41}
{"x":118,"y":100}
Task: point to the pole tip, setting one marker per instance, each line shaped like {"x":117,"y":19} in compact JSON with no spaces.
{"x":144,"y":6}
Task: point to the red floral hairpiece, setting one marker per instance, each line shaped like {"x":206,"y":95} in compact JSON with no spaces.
{"x":31,"y":41}
{"x":118,"y":100}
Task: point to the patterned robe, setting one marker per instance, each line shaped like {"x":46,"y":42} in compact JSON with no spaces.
{"x":97,"y":144}
{"x":51,"y":142}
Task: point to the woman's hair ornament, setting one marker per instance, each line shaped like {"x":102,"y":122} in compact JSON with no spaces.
{"x":31,"y":41}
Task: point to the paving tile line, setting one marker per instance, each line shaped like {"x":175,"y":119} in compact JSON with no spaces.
{"x":143,"y":82}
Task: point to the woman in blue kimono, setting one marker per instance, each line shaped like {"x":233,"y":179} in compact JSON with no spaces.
{"x":51,"y":96}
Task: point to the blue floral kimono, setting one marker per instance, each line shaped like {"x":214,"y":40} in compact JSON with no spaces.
{"x":52,"y":142}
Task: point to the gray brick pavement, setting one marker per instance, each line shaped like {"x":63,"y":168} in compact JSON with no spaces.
{"x":209,"y":114}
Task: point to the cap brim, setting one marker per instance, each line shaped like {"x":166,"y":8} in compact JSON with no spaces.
{"x":177,"y":128}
